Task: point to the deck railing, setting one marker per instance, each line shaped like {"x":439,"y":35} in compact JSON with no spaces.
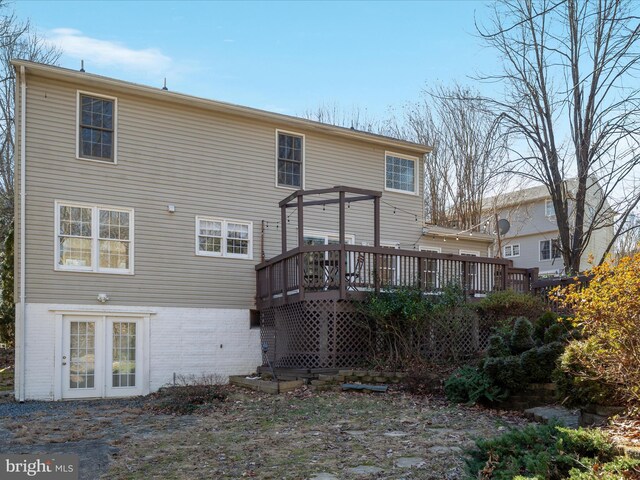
{"x":349,"y":271}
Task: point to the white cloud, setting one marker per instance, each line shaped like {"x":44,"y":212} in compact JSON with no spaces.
{"x":105,"y":53}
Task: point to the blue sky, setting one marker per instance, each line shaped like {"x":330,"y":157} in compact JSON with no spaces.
{"x":280,"y":56}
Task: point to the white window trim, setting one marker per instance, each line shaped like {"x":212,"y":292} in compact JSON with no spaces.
{"x":511,"y":247}
{"x":425,"y":248}
{"x":95,"y":239}
{"x":475,"y":253}
{"x":551,"y":257}
{"x":416,"y":172}
{"x":304,"y":159}
{"x":223,"y":246}
{"x":115,"y":127}
{"x":546,"y":209}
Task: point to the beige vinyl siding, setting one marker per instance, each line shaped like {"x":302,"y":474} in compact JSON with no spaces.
{"x":206,"y":164}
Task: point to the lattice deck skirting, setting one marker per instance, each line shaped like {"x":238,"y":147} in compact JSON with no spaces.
{"x":326,"y":334}
{"x":314,"y":334}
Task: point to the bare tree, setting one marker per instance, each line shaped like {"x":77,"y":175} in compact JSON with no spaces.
{"x":18,"y":41}
{"x":569,"y":70}
{"x":473,"y":146}
{"x":334,"y":114}
{"x":468,"y":152}
{"x":628,"y":242}
{"x":416,"y":123}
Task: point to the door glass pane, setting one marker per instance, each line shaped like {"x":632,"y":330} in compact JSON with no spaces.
{"x":123,"y":366}
{"x":82,"y":353}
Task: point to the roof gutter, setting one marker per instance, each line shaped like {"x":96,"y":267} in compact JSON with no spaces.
{"x":23,"y":183}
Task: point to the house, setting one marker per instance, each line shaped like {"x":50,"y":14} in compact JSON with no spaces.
{"x":533,"y":240}
{"x":150,"y":245}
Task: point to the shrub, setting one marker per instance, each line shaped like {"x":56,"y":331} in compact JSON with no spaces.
{"x":497,"y":347}
{"x":578,"y":383}
{"x":401,"y":321}
{"x":507,"y":303}
{"x":522,"y":336}
{"x":513,"y":359}
{"x":545,"y":452}
{"x":425,"y":378}
{"x":505,"y":372}
{"x":546,"y":321}
{"x":190,"y":395}
{"x":608,"y":311}
{"x":546,"y":359}
{"x":471,"y":385}
{"x":617,"y":469}
{"x":7,"y":307}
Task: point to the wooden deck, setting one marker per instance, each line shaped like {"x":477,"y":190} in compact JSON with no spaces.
{"x":348,"y":272}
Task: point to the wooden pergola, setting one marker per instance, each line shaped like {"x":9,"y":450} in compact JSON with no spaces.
{"x":346,"y":195}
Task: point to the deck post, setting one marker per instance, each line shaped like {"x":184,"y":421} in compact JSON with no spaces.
{"x":300,"y":221}
{"x":269,"y":286}
{"x":465,"y":278}
{"x":283,"y":224}
{"x":419,"y":281}
{"x":376,"y":243}
{"x":342,"y":264}
{"x":300,"y":256}
{"x":505,"y":276}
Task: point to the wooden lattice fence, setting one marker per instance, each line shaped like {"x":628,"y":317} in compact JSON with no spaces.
{"x":328,"y":334}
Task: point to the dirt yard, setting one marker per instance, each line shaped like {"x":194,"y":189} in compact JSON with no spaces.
{"x":300,"y":435}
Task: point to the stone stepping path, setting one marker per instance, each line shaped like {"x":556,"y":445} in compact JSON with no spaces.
{"x":364,"y":470}
{"x":564,"y":416}
{"x":410,"y":462}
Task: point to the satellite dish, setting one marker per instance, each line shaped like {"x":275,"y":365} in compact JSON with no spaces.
{"x":503,"y":226}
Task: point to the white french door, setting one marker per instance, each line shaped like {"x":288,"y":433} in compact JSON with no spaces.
{"x":82,"y":357}
{"x":101,"y":356}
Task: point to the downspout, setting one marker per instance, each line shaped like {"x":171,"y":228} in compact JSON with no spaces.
{"x":23,"y":183}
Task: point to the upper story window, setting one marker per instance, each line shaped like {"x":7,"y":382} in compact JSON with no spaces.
{"x":217,"y":237}
{"x":290,"y":160}
{"x":96,"y":127}
{"x":512,"y":250}
{"x":549,"y":211}
{"x":549,"y":249}
{"x":400,"y":173}
{"x":94,"y":239}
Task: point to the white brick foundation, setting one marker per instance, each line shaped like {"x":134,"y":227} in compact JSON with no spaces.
{"x":184,"y":341}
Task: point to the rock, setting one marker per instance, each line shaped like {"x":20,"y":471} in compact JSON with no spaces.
{"x":323,"y":476}
{"x":364,"y":470}
{"x":443,"y":450}
{"x":395,"y":434}
{"x":355,"y":433}
{"x":410,"y":462}
{"x":564,"y":416}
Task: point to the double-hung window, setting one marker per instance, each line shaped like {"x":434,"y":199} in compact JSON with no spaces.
{"x":400,"y":173}
{"x":549,"y":249}
{"x":96,"y":127}
{"x":549,"y":209}
{"x":290,"y":159}
{"x":92,"y":238}
{"x":512,"y":250}
{"x":217,"y":237}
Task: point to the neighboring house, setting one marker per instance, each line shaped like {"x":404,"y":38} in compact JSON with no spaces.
{"x":141,"y":215}
{"x":532,"y":240}
{"x":449,"y":240}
